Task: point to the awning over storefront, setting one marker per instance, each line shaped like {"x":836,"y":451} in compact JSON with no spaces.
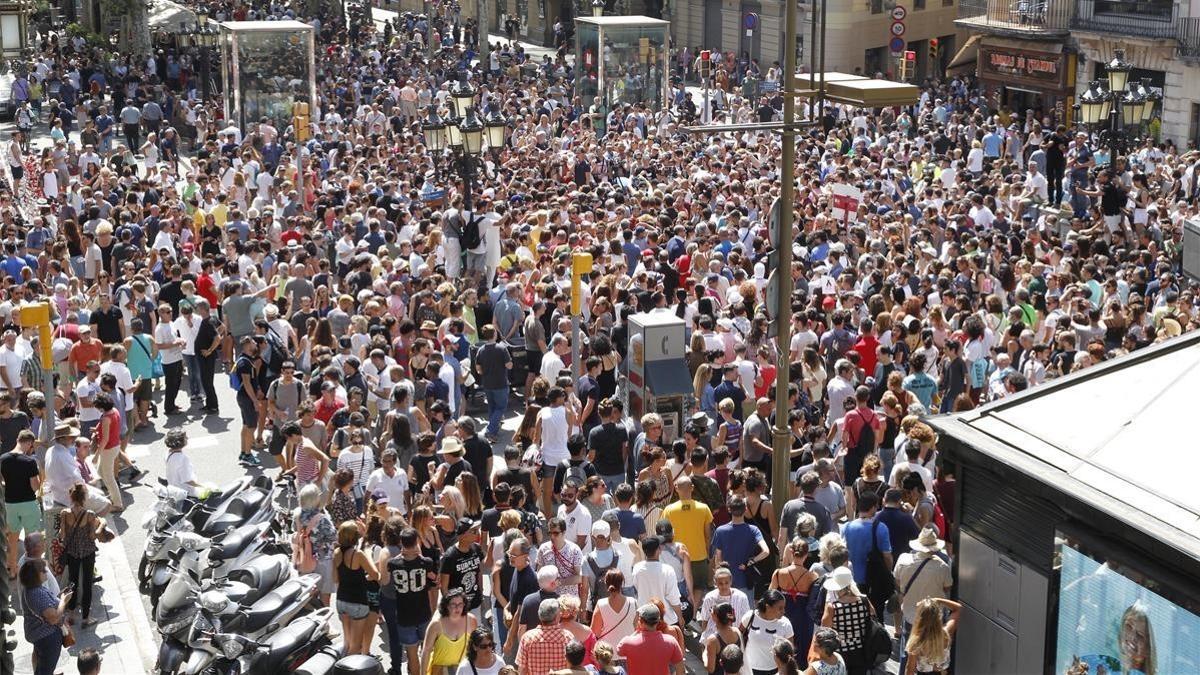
{"x":170,"y":16}
{"x":861,"y":91}
{"x":967,"y":56}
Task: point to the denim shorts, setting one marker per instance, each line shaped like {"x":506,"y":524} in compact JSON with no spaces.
{"x":354,"y":610}
{"x":411,"y":636}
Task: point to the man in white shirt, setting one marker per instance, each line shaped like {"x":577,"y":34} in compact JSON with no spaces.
{"x":11,"y":362}
{"x":170,"y":348}
{"x":1035,"y":185}
{"x":85,"y":394}
{"x":552,"y":362}
{"x":652,"y":579}
{"x":186,"y":327}
{"x":62,"y":473}
{"x":390,"y":481}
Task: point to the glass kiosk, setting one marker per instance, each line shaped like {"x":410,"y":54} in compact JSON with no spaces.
{"x":626,"y":57}
{"x":267,"y":66}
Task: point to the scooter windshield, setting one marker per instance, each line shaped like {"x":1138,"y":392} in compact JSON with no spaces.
{"x":180,"y":590}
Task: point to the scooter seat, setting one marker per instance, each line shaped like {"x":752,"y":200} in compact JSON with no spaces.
{"x":234,"y":543}
{"x":262,"y":572}
{"x":268,"y":607}
{"x":247,"y":503}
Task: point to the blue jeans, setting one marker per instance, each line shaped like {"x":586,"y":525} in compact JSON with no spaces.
{"x":497,"y":400}
{"x":48,"y":650}
{"x":388,"y":608}
{"x":499,"y":627}
{"x":612,"y":481}
{"x":193,"y":373}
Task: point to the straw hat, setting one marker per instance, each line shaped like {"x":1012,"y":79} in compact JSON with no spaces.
{"x":927,"y":541}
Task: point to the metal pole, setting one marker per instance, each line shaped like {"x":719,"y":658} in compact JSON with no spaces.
{"x":48,"y":422}
{"x":481,"y":15}
{"x":468,"y":203}
{"x":781,"y":447}
{"x":821,"y":87}
{"x":576,"y":370}
{"x":300,"y":170}
{"x":706,"y":118}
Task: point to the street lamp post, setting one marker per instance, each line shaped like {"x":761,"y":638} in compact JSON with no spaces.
{"x":597,"y":8}
{"x":434,"y":129}
{"x":1118,"y":107}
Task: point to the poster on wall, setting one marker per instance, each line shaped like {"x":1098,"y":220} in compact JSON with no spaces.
{"x":1110,"y":624}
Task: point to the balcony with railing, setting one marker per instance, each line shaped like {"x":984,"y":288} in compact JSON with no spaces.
{"x":1021,"y":18}
{"x":1154,"y":19}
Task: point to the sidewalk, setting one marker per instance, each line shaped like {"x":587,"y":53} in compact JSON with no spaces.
{"x":534,"y":51}
{"x":122,"y":633}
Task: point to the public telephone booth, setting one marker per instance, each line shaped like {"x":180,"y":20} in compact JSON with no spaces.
{"x":659,"y":380}
{"x":622,"y":59}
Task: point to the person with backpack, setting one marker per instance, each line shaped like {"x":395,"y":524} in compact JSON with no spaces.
{"x":861,"y":435}
{"x":314,"y":540}
{"x":577,"y":468}
{"x":245,"y":381}
{"x":596,"y":564}
{"x":284,"y":397}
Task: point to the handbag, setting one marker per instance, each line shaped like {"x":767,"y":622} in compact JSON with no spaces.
{"x":879,"y":578}
{"x":156,"y":364}
{"x":68,"y":636}
{"x":877,"y":644}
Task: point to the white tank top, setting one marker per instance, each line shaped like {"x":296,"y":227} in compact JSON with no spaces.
{"x":554,"y":435}
{"x":617,"y":625}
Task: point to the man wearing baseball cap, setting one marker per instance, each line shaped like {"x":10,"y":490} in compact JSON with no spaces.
{"x":648,"y":649}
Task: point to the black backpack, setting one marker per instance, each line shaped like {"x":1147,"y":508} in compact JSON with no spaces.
{"x":471,"y":236}
{"x":866,"y":437}
{"x":817,"y":597}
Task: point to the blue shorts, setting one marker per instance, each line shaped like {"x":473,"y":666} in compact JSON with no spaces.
{"x":24,"y":516}
{"x":249,"y":410}
{"x":410,"y":636}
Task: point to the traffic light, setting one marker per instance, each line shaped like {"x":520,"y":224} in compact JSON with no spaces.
{"x":908,"y":65}
{"x":300,"y":121}
{"x":933,"y":50}
{"x":705,"y":64}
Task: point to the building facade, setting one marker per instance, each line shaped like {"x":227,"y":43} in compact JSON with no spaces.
{"x":1039,"y":54}
{"x":859,"y":33}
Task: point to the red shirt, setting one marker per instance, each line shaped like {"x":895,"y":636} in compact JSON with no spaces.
{"x":856,"y":420}
{"x":324,"y":409}
{"x":866,"y":347}
{"x":207,"y":288}
{"x":645,"y":652}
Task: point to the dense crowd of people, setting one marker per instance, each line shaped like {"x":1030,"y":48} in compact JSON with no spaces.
{"x":378,"y":333}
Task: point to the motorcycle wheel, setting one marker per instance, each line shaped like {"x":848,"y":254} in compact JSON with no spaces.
{"x":141,"y":573}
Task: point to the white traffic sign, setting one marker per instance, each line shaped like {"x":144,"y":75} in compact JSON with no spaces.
{"x":899,"y":12}
{"x":897,"y":29}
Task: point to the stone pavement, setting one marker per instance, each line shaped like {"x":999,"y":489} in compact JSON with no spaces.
{"x":122,"y":634}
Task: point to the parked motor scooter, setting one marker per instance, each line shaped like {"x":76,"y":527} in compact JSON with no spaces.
{"x":216,"y":614}
{"x":244,"y":586}
{"x":281,"y":652}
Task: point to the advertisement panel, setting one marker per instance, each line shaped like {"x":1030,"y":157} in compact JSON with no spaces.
{"x":1110,"y":621}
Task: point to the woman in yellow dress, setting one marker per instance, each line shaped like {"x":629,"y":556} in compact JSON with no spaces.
{"x":446,"y":638}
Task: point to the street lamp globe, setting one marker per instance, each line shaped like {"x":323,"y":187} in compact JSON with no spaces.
{"x":434,"y":129}
{"x":454,"y":134}
{"x":1132,"y":104}
{"x":1094,"y":104}
{"x":597,"y":7}
{"x":1153,"y":97}
{"x":1117,"y":72}
{"x":472,"y":133}
{"x":495,"y":126}
{"x":464,"y":98}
